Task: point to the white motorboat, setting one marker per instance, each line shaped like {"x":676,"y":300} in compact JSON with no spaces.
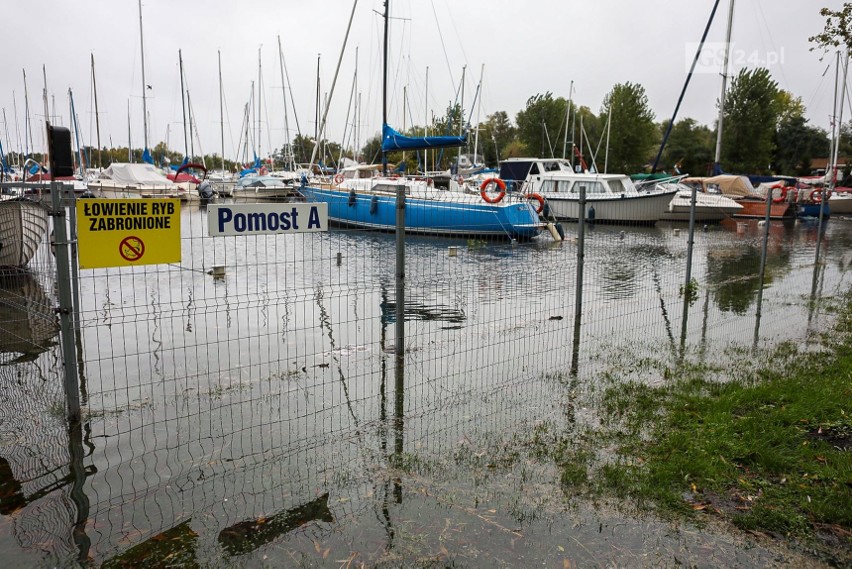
{"x":127,"y":181}
{"x":23,"y":223}
{"x":610,"y":198}
{"x":263,"y":188}
{"x":708,"y":206}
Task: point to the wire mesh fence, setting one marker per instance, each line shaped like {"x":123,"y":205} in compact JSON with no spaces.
{"x":254,"y":388}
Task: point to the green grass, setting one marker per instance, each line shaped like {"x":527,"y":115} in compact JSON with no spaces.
{"x":768,"y":446}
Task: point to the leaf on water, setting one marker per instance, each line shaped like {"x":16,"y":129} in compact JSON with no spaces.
{"x":560,"y":548}
{"x":493,"y":511}
{"x":326,"y":552}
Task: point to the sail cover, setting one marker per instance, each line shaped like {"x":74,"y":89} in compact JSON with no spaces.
{"x":392,"y":140}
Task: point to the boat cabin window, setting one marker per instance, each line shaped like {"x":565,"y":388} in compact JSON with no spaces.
{"x":591,"y":188}
{"x":714,"y":189}
{"x":534,"y":170}
{"x":551,"y":167}
{"x":553,"y":185}
{"x":615,"y":187}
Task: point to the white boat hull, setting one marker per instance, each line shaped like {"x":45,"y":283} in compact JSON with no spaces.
{"x":23,"y":224}
{"x":708,"y":207}
{"x":840,"y":204}
{"x":644,"y":208}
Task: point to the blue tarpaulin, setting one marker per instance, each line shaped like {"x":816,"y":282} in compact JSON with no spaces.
{"x":392,"y":140}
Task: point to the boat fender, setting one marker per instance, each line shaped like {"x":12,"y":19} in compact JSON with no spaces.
{"x":374,"y":204}
{"x":560,"y":230}
{"x":351,"y":197}
{"x":782,"y":197}
{"x":487,"y":182}
{"x":338,"y":178}
{"x":539,"y":199}
{"x":591,"y":215}
{"x":303,"y":180}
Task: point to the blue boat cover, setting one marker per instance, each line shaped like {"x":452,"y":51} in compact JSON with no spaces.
{"x":146,"y":156}
{"x":392,"y":140}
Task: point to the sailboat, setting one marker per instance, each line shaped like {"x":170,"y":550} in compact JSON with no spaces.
{"x":358,"y":198}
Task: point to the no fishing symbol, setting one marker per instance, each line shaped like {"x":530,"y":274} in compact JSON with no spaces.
{"x":131,"y":249}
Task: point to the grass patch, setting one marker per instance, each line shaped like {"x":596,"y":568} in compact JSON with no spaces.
{"x":767,"y":446}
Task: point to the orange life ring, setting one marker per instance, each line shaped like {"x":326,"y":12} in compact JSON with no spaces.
{"x":816,"y":195}
{"x":783,"y":197}
{"x":539,"y":199}
{"x":500,"y":184}
{"x":338,"y":178}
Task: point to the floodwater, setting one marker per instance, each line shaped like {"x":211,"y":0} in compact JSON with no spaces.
{"x":265,"y":418}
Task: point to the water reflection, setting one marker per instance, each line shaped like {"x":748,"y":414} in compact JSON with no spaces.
{"x":734,"y":273}
{"x":28,"y":324}
{"x":249,"y":535}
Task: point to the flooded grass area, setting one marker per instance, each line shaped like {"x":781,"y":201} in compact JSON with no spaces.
{"x":264,"y":418}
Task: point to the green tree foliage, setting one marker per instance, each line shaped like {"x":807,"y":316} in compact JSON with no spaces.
{"x":838,"y":29}
{"x":540,"y":124}
{"x":796,"y":142}
{"x":495,"y":136}
{"x":632,"y":130}
{"x":750,"y":120}
{"x":689,"y":149}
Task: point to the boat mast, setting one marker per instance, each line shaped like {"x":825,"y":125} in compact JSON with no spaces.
{"x":717,"y":167}
{"x":46,"y":113}
{"x":833,"y":180}
{"x":28,"y":125}
{"x":144,"y":85}
{"x":478,"y":114}
{"x":567,"y":116}
{"x":17,"y":128}
{"x":221,"y":112}
{"x":289,"y":158}
{"x":461,"y":121}
{"x":97,"y":120}
{"x":129,"y":138}
{"x":426,"y":121}
{"x":259,"y":101}
{"x":191,"y":125}
{"x":385,"y":85}
{"x":183,"y":108}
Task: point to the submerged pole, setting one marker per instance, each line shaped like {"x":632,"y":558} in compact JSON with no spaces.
{"x":763,"y":253}
{"x":400,"y":271}
{"x":578,"y":295}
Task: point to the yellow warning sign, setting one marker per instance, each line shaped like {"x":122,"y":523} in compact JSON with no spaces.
{"x":120,"y":233}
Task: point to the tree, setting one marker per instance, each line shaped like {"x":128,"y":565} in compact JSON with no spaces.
{"x":750,"y":120}
{"x":540,"y":124}
{"x":838,"y":29}
{"x":632,"y":131}
{"x":495,"y":136}
{"x":796,"y":142}
{"x":689,"y":149}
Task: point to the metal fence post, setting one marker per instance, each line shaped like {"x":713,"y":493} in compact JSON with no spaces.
{"x":688,"y":290}
{"x":400,"y":271}
{"x":578,"y":296}
{"x":763,"y":252}
{"x":66,"y":303}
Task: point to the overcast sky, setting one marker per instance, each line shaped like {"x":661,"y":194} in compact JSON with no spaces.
{"x":526,"y":47}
